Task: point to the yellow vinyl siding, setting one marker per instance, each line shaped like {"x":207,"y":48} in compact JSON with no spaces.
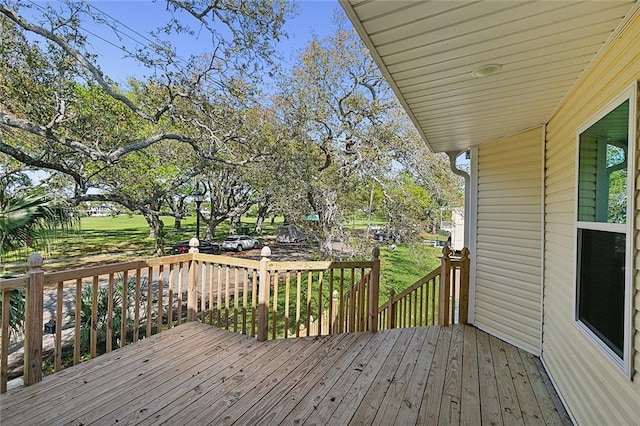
{"x":508,"y":247}
{"x":595,"y":390}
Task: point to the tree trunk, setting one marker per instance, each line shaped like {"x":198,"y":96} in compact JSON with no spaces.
{"x":212,"y":224}
{"x":369,"y":210}
{"x":259,"y":223}
{"x":156,"y":231}
{"x":177,"y":224}
{"x":234,"y":224}
{"x":262,"y":214}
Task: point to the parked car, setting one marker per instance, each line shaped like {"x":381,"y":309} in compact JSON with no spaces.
{"x":206,"y":247}
{"x":239,"y":243}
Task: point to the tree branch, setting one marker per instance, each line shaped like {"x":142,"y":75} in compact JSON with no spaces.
{"x":82,"y":59}
{"x":34,"y":162}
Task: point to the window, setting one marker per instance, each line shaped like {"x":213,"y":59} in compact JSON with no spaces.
{"x":605,"y":177}
{"x":602,"y":286}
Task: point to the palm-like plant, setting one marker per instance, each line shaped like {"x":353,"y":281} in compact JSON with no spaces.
{"x":16,"y":309}
{"x":26,"y":221}
{"x":103,"y":315}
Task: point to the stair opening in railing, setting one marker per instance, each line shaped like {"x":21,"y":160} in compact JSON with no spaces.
{"x":440,"y":297}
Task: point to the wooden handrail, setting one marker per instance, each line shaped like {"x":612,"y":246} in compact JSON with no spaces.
{"x":421,"y":282}
{"x":418,"y":305}
{"x":19,"y":283}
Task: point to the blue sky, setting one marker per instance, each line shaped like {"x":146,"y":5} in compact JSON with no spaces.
{"x":314,"y":17}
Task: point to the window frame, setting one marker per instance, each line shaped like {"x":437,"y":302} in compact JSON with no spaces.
{"x":624,"y":363}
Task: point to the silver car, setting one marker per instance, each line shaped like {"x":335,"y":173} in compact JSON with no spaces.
{"x":239,"y":243}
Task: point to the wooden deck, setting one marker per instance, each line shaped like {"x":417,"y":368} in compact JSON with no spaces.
{"x":196,"y":374}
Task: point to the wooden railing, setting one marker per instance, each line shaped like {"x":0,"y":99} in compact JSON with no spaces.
{"x":293,"y":293}
{"x":346,"y":311}
{"x":428,"y":301}
{"x":110,"y":306}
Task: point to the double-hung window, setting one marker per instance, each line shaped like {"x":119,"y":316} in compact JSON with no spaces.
{"x":604,"y":229}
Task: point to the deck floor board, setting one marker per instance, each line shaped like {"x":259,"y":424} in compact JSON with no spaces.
{"x":198,"y":374}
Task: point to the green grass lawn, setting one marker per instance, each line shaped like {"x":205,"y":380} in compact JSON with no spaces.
{"x":122,"y":234}
{"x":129,"y":236}
{"x":403,"y":266}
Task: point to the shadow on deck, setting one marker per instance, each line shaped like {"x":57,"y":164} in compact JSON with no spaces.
{"x":197,"y":374}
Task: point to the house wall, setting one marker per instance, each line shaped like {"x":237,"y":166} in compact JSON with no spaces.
{"x":508,"y":290}
{"x":595,"y":390}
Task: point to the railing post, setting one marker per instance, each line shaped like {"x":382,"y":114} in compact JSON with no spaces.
{"x":33,"y":322}
{"x":335,"y":305}
{"x":445,"y":287}
{"x":192,"y":288}
{"x":263,"y":296}
{"x":374,"y":290}
{"x":463,"y":304}
{"x":391,"y":310}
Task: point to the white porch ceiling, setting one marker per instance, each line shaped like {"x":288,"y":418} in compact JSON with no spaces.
{"x":427,"y":50}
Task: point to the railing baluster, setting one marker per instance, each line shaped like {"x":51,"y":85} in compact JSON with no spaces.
{"x":77,"y":322}
{"x":454,"y":293}
{"x":435,"y":295}
{"x":160,"y":313}
{"x":219,"y":296}
{"x":352,"y":303}
{"x":211,"y":271}
{"x":411,"y":309}
{"x":149,"y":300}
{"x":419,"y":296}
{"x":58,"y":345}
{"x":331,"y":304}
{"x":203,"y":302}
{"x":227,"y":297}
{"x":236,"y":278}
{"x":179,"y":296}
{"x":391,"y":314}
{"x":125,"y":308}
{"x":298,"y":288}
{"x":192,"y":289}
{"x":342,"y":307}
{"x":287,"y":284}
{"x":361,"y":298}
{"x":109,"y":313}
{"x":274,"y":311}
{"x":136,"y":311}
{"x":4,"y":361}
{"x":374,"y":289}
{"x":320,"y":279}
{"x":254,"y":306}
{"x":309,"y":280}
{"x":170,"y":296}
{"x":245,"y":289}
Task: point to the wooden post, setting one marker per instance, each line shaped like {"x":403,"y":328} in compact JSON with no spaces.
{"x":463,"y":314}
{"x":4,"y":363}
{"x":333,"y":309}
{"x":33,"y":322}
{"x":192,"y":288}
{"x":374,"y":290}
{"x":445,"y":287}
{"x":391,"y":310}
{"x":263,"y":296}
